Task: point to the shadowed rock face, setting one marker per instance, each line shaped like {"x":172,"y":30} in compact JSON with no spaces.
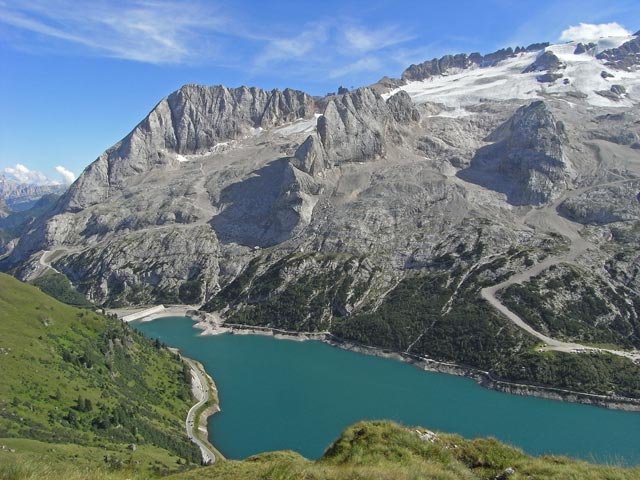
{"x":583,"y":48}
{"x":526,"y":160}
{"x":267,"y":208}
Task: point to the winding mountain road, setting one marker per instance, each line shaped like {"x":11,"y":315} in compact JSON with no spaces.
{"x":547,"y":218}
{"x":201,"y":392}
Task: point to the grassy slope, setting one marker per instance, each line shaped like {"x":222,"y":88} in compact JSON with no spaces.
{"x":384,"y":450}
{"x":367,"y":450}
{"x":53,"y":357}
{"x":34,"y":460}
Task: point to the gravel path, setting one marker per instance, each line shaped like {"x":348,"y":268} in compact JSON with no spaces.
{"x":549,"y":219}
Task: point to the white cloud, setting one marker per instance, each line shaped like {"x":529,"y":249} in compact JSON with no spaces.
{"x":68,"y":175}
{"x":23,"y":174}
{"x":367,"y":64}
{"x":588,"y":31}
{"x":152,"y":31}
{"x":368,"y":40}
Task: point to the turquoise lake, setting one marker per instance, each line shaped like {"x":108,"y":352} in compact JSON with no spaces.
{"x":281,"y":394}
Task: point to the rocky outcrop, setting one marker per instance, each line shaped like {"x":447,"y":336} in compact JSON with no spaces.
{"x":604,"y":205}
{"x":189,"y":121}
{"x":546,"y":62}
{"x":310,"y":156}
{"x":526,"y":160}
{"x":462,"y":61}
{"x":354,"y":128}
{"x":445,"y":64}
{"x":402,"y":108}
{"x":625,"y":57}
{"x":549,"y":77}
{"x":615,"y":93}
{"x":583,"y":48}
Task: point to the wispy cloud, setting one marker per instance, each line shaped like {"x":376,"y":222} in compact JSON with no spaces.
{"x":291,"y":48}
{"x":368,"y":40}
{"x":333,"y":48}
{"x":367,"y":64}
{"x":174,"y":32}
{"x":590,"y":31}
{"x":152,"y":31}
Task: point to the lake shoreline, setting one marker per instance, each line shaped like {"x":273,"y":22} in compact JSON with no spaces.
{"x":212,"y":324}
{"x":210,"y":407}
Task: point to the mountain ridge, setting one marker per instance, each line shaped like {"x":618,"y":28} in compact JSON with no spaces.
{"x":294,"y":211}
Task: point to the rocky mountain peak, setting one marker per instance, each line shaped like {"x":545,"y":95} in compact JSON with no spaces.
{"x":534,"y":126}
{"x":526,"y":160}
{"x":191,"y":120}
{"x":402,"y":108}
{"x":200,"y":117}
{"x":354,"y":127}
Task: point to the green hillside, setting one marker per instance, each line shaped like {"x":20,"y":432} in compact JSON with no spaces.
{"x":90,"y":385}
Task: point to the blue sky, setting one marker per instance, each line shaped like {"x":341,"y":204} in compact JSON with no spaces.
{"x":77,"y":75}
